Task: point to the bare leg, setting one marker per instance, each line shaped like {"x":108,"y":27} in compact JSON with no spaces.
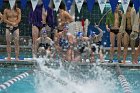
{"x":92,"y":57}
{"x":101,"y":56}
{"x":8,"y":40}
{"x":16,"y":41}
{"x":35,"y":35}
{"x":136,"y":55}
{"x":125,"y":43}
{"x":77,"y":58}
{"x":132,"y":43}
{"x":119,"y":37}
{"x":69,"y":55}
{"x":112,"y":40}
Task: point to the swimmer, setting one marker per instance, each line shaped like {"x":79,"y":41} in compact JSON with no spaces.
{"x":37,"y":19}
{"x":95,"y":43}
{"x":64,"y":43}
{"x":44,"y":44}
{"x":81,"y":49}
{"x":12,"y":18}
{"x":63,"y":17}
{"x":112,"y":25}
{"x":130,"y":29}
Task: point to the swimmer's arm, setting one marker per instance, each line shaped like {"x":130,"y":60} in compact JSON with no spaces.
{"x":50,"y":41}
{"x":37,"y":45}
{"x":71,"y":39}
{"x":120,"y":13}
{"x":1,"y":17}
{"x":69,"y":18}
{"x":100,"y":35}
{"x":56,"y":39}
{"x":135,"y":26}
{"x":123,"y":23}
{"x":86,"y":38}
{"x":56,"y":43}
{"x":98,"y":28}
{"x":19,"y":16}
{"x":5,"y":18}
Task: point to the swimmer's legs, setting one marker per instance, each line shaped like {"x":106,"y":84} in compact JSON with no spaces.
{"x":8,"y":47}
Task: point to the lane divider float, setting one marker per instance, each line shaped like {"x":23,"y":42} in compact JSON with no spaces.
{"x":14,"y":80}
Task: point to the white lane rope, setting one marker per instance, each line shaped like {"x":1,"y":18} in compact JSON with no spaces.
{"x":124,"y":83}
{"x":14,"y":80}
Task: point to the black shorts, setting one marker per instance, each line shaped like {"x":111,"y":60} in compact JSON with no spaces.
{"x":13,"y":30}
{"x":128,"y":31}
{"x":115,"y":31}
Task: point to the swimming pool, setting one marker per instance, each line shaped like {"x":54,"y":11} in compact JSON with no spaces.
{"x":73,"y":80}
{"x":133,"y":77}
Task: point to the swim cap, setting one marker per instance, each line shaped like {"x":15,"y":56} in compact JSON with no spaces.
{"x":44,"y":31}
{"x":92,"y":34}
{"x":79,"y":34}
{"x":66,"y":26}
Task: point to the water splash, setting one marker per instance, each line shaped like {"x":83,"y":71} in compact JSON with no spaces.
{"x":74,"y":79}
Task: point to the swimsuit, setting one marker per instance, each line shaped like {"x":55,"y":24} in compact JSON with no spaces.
{"x":45,"y":45}
{"x":115,"y":31}
{"x":14,"y":29}
{"x":64,"y":44}
{"x":35,"y":17}
{"x":93,"y":48}
{"x":81,"y":46}
{"x":128,"y":31}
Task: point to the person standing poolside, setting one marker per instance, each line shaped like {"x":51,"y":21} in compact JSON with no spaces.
{"x":130,"y":28}
{"x":63,"y":17}
{"x":12,"y":18}
{"x":38,"y":20}
{"x":137,"y":53}
{"x":112,"y":26}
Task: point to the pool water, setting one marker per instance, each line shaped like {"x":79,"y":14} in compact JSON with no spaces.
{"x":26,"y":85}
{"x":95,"y":80}
{"x":133,"y":77}
{"x":10,"y":72}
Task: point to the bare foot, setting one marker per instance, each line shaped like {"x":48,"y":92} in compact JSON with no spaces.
{"x":123,"y":63}
{"x":8,"y":59}
{"x":17,"y":59}
{"x":136,"y":62}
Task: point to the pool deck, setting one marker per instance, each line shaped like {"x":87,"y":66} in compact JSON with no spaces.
{"x":33,"y":63}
